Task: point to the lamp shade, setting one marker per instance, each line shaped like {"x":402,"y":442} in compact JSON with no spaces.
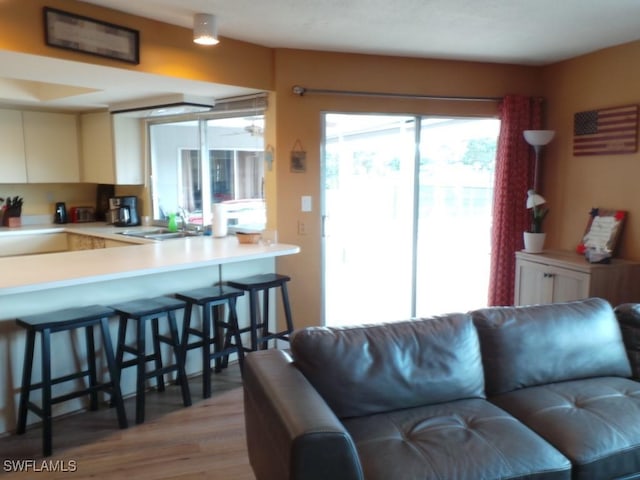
{"x":534,"y":199}
{"x":538,"y":137}
{"x":205,"y":29}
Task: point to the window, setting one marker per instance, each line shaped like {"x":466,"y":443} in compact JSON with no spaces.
{"x":213,"y":158}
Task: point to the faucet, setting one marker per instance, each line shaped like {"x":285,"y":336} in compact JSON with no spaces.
{"x":183,"y":218}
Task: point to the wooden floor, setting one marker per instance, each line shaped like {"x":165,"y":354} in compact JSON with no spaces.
{"x":205,"y":440}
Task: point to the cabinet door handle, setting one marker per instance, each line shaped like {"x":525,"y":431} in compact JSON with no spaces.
{"x":548,"y":275}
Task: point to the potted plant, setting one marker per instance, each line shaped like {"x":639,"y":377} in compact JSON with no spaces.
{"x":534,"y":238}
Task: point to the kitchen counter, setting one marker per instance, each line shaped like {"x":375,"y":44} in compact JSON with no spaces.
{"x":140,"y":268}
{"x":31,"y":273}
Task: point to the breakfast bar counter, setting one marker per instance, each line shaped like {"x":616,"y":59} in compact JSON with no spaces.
{"x":30,"y":273}
{"x":130,"y":268}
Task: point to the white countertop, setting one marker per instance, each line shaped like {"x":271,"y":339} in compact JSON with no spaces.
{"x":31,"y":273}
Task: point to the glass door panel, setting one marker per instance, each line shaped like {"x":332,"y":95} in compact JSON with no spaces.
{"x":368,"y":214}
{"x":457,"y":159}
{"x":407,"y":216}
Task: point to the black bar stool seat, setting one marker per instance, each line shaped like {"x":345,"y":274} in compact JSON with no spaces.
{"x":259,"y":323}
{"x":219,"y":342}
{"x":60,"y":321}
{"x":142,"y":311}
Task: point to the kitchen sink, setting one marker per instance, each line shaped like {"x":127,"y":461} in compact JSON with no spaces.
{"x":160,"y":234}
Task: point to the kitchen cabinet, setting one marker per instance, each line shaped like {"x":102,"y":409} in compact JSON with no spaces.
{"x":560,"y":276}
{"x":51,"y":146}
{"x":109,"y":243}
{"x":78,"y":241}
{"x":13,"y":162}
{"x":112,"y":149}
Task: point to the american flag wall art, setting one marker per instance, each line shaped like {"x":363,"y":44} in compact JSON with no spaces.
{"x":605,"y":132}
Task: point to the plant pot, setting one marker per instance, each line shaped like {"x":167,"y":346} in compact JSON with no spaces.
{"x":534,"y":242}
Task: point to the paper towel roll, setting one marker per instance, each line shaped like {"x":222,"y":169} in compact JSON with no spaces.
{"x":219,"y":223}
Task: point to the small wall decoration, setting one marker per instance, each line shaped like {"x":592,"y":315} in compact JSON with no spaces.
{"x":601,"y":235}
{"x":606,"y":132}
{"x":269,"y":153}
{"x":75,"y":32}
{"x":298,"y":158}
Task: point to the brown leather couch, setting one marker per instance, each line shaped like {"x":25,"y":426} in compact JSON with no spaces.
{"x":537,"y":392}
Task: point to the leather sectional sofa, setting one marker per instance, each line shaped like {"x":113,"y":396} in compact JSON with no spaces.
{"x":536,"y":392}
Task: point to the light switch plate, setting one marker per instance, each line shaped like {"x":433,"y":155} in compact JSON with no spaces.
{"x":305,"y":203}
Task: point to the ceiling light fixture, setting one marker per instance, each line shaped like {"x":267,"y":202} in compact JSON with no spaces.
{"x":205,"y":29}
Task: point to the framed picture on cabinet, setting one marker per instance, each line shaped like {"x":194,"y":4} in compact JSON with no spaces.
{"x":602,"y":234}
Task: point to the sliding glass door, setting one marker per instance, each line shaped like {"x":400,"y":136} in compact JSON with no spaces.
{"x":407,"y":215}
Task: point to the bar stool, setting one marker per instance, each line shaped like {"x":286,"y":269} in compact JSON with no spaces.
{"x":224,"y":337}
{"x":263,"y":283}
{"x":143,"y":311}
{"x":61,"y":321}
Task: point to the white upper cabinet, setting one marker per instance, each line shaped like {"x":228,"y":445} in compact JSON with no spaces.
{"x":13,"y":162}
{"x":112,"y":149}
{"x":51,"y":146}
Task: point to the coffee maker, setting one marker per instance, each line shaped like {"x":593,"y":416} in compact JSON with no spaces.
{"x":123,"y":211}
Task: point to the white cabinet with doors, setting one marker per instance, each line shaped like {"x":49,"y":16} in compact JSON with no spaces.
{"x":51,"y":146}
{"x":560,"y":276}
{"x":13,"y":162}
{"x":112,"y":149}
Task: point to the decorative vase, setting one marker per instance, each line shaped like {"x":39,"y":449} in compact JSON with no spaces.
{"x":534,"y":242}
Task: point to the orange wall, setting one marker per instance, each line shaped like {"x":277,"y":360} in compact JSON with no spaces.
{"x":299,"y":118}
{"x":573,"y":185}
{"x":164,"y":49}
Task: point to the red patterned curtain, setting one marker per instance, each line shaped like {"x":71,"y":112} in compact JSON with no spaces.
{"x":515,"y":164}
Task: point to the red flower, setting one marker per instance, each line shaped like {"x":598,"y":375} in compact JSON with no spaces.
{"x":581,"y":249}
{"x":619,"y":215}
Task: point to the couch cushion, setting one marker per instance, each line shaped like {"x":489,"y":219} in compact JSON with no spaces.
{"x":593,"y":422}
{"x":534,"y":345}
{"x":375,"y":368}
{"x":462,"y":440}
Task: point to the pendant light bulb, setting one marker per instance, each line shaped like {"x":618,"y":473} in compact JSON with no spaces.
{"x":205,"y":29}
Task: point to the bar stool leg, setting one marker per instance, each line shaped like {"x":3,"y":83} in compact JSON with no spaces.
{"x":140,"y":370}
{"x":122,"y":334}
{"x":179,"y":356}
{"x":265,"y":320}
{"x":91,"y":361}
{"x":26,"y":382}
{"x":233,"y":322}
{"x":157,"y":353}
{"x":287,"y":308}
{"x":186,"y":326}
{"x":253,"y":318}
{"x":46,"y":393}
{"x":218,"y":332}
{"x":116,"y":393}
{"x":206,"y":349}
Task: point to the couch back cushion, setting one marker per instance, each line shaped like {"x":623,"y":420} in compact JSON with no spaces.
{"x":534,"y":345}
{"x":369,"y":369}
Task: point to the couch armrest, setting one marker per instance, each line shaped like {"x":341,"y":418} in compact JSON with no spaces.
{"x":292,"y":434}
{"x":628,"y":315}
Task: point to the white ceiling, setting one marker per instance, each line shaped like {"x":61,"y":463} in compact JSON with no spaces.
{"x":532,"y":32}
{"x":527,"y":32}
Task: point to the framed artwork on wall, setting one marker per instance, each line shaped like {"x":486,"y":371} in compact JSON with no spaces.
{"x":87,"y":35}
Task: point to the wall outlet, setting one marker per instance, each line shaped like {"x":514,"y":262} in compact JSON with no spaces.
{"x":302,"y":228}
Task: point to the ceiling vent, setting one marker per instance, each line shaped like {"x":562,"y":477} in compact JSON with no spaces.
{"x":165,"y":105}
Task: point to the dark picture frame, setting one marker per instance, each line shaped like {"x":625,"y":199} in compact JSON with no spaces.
{"x":87,"y":35}
{"x":298,"y":161}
